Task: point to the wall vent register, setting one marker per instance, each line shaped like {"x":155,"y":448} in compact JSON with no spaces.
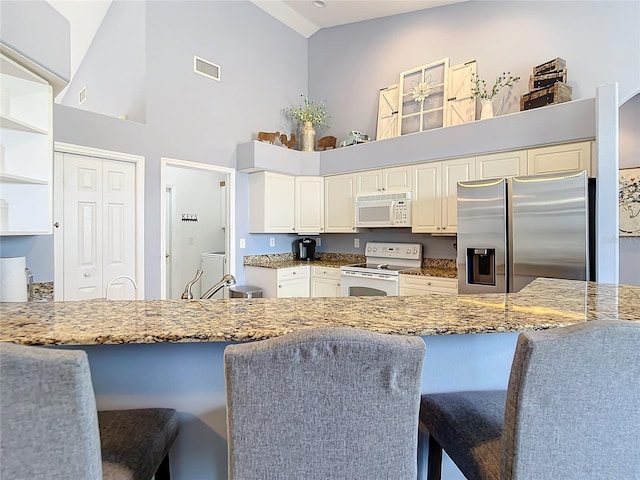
{"x":206,"y":68}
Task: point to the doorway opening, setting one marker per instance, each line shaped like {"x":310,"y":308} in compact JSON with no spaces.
{"x":197,"y":224}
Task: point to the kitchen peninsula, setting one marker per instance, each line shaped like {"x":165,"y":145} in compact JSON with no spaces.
{"x":170,"y":353}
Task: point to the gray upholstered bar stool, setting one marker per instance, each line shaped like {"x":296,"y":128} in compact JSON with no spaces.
{"x":571,"y":410}
{"x":51,"y":429}
{"x":324,"y":403}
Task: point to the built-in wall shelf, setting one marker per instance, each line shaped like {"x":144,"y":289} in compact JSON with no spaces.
{"x":550,"y":125}
{"x":15,"y":124}
{"x":8,"y":178}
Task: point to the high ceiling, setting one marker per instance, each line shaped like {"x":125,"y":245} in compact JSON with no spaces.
{"x":303,"y":16}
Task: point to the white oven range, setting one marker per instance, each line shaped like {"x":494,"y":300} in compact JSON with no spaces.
{"x":379,"y":276}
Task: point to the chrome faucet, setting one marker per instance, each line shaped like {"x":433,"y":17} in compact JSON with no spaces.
{"x":226,"y":281}
{"x":187,"y":294}
{"x":133,"y":282}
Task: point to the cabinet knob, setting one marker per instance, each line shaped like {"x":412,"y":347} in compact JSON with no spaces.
{"x":294,"y":273}
{"x":444,"y":228}
{"x":57,"y":224}
{"x":87,"y":274}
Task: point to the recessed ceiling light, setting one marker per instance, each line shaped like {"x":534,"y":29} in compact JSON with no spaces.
{"x":319,"y":3}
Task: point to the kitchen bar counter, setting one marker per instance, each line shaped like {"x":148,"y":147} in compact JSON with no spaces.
{"x":171,"y":353}
{"x":545,"y":303}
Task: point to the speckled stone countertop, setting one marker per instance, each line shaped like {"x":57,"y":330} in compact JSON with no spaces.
{"x":432,"y":267}
{"x":287,"y":260}
{"x":545,"y":303}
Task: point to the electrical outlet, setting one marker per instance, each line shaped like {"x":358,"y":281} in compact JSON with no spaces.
{"x":272,"y":242}
{"x":356,"y":243}
{"x":243,"y":243}
{"x":319,"y":242}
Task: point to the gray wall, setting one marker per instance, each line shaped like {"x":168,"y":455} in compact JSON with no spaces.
{"x":113,"y":71}
{"x":37,"y":31}
{"x":349,"y":64}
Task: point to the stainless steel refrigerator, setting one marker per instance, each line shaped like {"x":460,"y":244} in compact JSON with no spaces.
{"x":511,"y":231}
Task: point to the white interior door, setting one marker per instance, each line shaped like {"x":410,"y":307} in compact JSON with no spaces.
{"x":99,"y":227}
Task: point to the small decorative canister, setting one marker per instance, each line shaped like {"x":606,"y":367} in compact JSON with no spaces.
{"x":307,"y":137}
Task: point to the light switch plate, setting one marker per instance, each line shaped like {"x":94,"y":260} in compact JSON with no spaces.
{"x":272,"y":242}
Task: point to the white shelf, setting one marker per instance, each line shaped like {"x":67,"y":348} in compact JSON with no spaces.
{"x":8,"y":178}
{"x":15,"y":124}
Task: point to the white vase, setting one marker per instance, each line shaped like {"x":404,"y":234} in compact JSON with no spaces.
{"x":307,"y":138}
{"x":487,"y":108}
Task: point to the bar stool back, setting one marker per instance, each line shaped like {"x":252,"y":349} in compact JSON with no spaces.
{"x":324,"y":403}
{"x":52,"y":430}
{"x":571,"y":410}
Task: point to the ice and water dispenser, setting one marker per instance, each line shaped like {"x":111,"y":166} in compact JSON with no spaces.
{"x":481,"y":266}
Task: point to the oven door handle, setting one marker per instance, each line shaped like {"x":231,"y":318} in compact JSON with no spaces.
{"x":373,"y":276}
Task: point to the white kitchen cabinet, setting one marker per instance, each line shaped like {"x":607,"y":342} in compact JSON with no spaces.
{"x":271,"y":203}
{"x":279,"y":282}
{"x":285,"y":204}
{"x":425,"y":285}
{"x":386,"y":180}
{"x":339,"y":207}
{"x":560,"y":158}
{"x":26,"y":151}
{"x":503,"y":164}
{"x":309,"y":205}
{"x":435,"y":191}
{"x":325,"y":282}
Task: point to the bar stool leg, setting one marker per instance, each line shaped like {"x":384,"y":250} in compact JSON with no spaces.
{"x":434,"y":465}
{"x":163,"y":472}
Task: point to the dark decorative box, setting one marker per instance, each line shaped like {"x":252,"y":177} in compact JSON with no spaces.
{"x":544,"y":81}
{"x":557,"y":93}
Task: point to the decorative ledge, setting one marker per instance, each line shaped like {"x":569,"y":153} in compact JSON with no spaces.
{"x":554,"y":124}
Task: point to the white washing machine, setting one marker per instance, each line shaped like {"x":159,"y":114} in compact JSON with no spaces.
{"x":212,"y":265}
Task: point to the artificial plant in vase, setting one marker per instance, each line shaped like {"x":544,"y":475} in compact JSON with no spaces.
{"x":486,"y":96}
{"x":310,"y":114}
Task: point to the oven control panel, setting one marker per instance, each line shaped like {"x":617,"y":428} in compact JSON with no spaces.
{"x":409,"y":251}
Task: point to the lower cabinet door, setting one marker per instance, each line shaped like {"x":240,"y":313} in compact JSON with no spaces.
{"x":324,"y":287}
{"x":298,"y":287}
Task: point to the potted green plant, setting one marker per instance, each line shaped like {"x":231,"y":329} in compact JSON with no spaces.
{"x":486,"y":96}
{"x":310,"y":114}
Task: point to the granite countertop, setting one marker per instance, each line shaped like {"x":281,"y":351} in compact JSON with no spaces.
{"x":545,"y":303}
{"x":287,"y":260}
{"x":432,"y":267}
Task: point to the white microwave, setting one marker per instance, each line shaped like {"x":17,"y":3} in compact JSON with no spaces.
{"x":388,"y":210}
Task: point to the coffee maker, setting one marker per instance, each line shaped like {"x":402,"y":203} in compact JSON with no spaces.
{"x":305,"y":249}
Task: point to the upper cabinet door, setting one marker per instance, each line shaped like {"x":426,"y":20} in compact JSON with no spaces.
{"x":504,"y":164}
{"x":339,"y":206}
{"x":369,"y":182}
{"x":309,"y":206}
{"x":460,"y":106}
{"x":454,"y":171}
{"x":426,"y":203}
{"x":560,"y":158}
{"x":396,"y":179}
{"x":271,"y":203}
